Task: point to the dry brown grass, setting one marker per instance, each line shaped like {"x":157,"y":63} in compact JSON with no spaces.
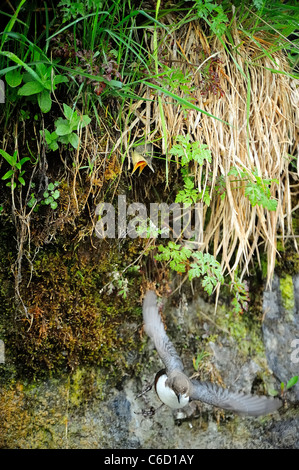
{"x":259,"y":135}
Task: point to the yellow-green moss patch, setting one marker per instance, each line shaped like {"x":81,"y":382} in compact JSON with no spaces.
{"x":287,"y":293}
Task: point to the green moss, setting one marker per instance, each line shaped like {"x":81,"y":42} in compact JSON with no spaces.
{"x":245,"y":331}
{"x":85,"y":384}
{"x":264,"y":266}
{"x":288,"y":262}
{"x":72,"y":320}
{"x":280,"y":246}
{"x":287,"y":293}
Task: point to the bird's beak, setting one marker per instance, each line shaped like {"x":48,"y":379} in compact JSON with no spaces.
{"x":179,"y":397}
{"x":141,"y":161}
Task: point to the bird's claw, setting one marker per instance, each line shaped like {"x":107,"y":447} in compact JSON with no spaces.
{"x":147,"y":389}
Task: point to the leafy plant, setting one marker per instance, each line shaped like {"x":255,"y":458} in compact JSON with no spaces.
{"x":213,"y":14}
{"x":176,"y":81}
{"x":258,"y":4}
{"x":38,"y":82}
{"x":258,"y":191}
{"x":51,"y":139}
{"x":120,"y":282}
{"x":71,"y":9}
{"x":204,"y":264}
{"x":66,"y":129}
{"x":189,"y":194}
{"x":284,"y":387}
{"x":177,"y":255}
{"x":188,"y":152}
{"x":199,"y":358}
{"x":241,"y":298}
{"x":175,"y":78}
{"x":50,"y":197}
{"x":147,"y":229}
{"x":16,"y":171}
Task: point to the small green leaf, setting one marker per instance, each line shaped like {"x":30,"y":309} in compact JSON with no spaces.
{"x":271,"y":205}
{"x":11,"y":159}
{"x":56,"y":194}
{"x":53,"y":205}
{"x":53,"y":146}
{"x":44,"y":101}
{"x":85,"y":120}
{"x":30,"y":88}
{"x":292,"y":382}
{"x":60,"y":79}
{"x":23,"y":160}
{"x":64,"y":139}
{"x":47,"y":135}
{"x":21,"y":180}
{"x":32,"y":201}
{"x":51,"y":139}
{"x":13,"y":185}
{"x":14,"y":78}
{"x":234,"y":172}
{"x":62,"y":127}
{"x":50,"y":187}
{"x":75,"y":121}
{"x":68,"y":112}
{"x":46,"y":194}
{"x":48,"y":200}
{"x":8,"y":175}
{"x":41,"y":68}
{"x":48,"y":85}
{"x":25,"y":114}
{"x":74,"y":140}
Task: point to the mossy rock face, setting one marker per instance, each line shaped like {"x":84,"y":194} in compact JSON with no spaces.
{"x":287,"y":292}
{"x":71,"y":319}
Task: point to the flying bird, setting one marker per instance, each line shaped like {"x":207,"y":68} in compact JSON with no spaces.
{"x":176,"y":390}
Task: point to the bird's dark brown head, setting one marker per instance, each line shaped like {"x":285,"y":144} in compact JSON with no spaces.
{"x":179,"y":383}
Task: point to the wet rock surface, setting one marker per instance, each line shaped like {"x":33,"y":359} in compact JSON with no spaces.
{"x":281,"y":329}
{"x":59,"y":413}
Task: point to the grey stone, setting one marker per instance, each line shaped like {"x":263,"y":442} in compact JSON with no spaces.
{"x":281,"y":334}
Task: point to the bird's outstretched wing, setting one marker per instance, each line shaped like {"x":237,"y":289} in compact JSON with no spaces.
{"x":155,"y":329}
{"x":252,"y":405}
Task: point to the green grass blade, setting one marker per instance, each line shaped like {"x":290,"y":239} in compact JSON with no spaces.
{"x":11,"y":23}
{"x":183,"y":101}
{"x":17,"y":60}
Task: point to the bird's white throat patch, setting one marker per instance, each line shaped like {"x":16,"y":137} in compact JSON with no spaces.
{"x":167,"y":395}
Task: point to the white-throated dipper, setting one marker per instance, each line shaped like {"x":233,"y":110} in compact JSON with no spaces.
{"x":176,"y":390}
